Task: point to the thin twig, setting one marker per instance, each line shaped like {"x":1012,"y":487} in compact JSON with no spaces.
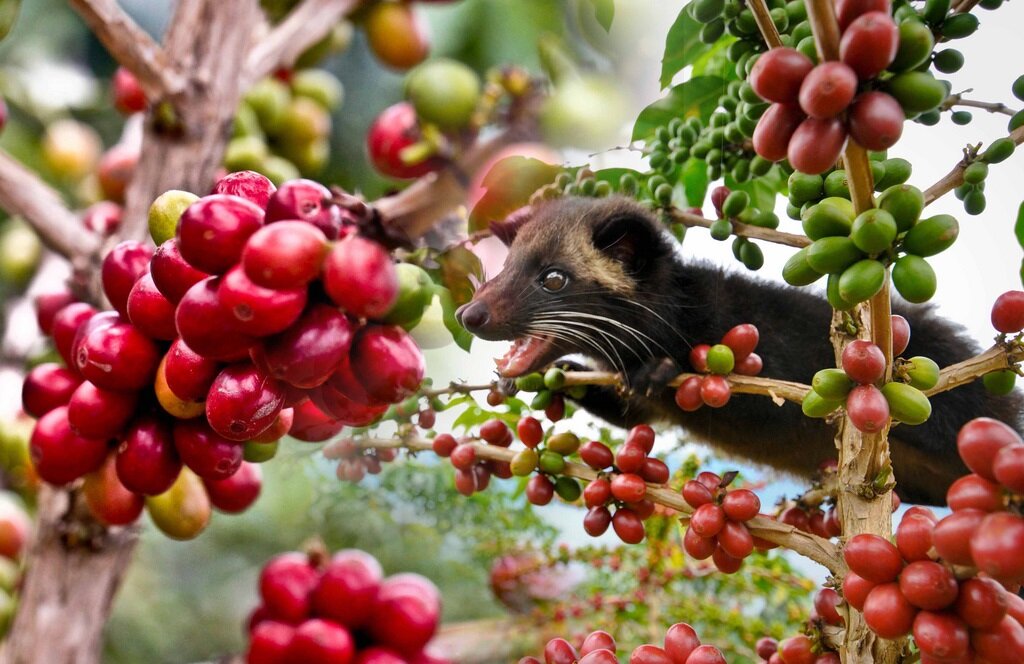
{"x":995,"y":358}
{"x":955,"y":177}
{"x":816,"y":548}
{"x":23,"y":193}
{"x":742,"y":230}
{"x":304,"y":26}
{"x":990,"y":106}
{"x":131,"y":46}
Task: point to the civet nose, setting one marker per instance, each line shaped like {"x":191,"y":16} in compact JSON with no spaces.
{"x":473,"y":315}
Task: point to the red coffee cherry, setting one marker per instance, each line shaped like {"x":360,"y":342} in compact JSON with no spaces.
{"x":996,"y":547}
{"x":46,"y":387}
{"x":172,"y":275}
{"x":122,"y":267}
{"x":129,"y":96}
{"x":205,"y":326}
{"x":311,"y":350}
{"x":741,"y":505}
{"x":981,"y":602}
{"x":828,"y":89}
{"x":796,"y":649}
{"x":47,"y":305}
{"x":775,"y":129}
{"x":641,"y":435}
{"x":596,"y":521}
{"x":406,"y":613}
{"x":914,"y":537}
{"x":869,"y":43}
{"x":237,"y":493}
{"x":207,"y":454}
{"x":887,"y":612}
{"x":531,"y":433}
{"x":736,"y":540}
{"x":151,"y":312}
{"x":388,"y":363}
{"x":825,"y":602}
{"x":348,"y":587}
{"x":596,"y":454}
{"x":928,"y":585}
{"x":715,"y":391}
{"x":118,"y":357}
{"x":867,"y":408}
{"x":863,"y":362}
{"x":395,"y":129}
{"x":360,"y":277}
{"x":243,"y":402}
{"x":1008,"y":468}
{"x":108,"y":499}
{"x":286,"y":583}
{"x":212,"y":232}
{"x":777,"y":74}
{"x":952,"y":536}
{"x":559,"y":651}
{"x":59,"y":455}
{"x":848,"y":10}
{"x":256,"y":310}
{"x":648,"y":654}
{"x":1008,"y":312}
{"x":94,"y":412}
{"x":856,"y":589}
{"x":742,"y":340}
{"x":680,"y":642}
{"x":539,"y":489}
{"x":707,"y":520}
{"x":900,"y":334}
{"x":250,"y":185}
{"x":628,"y":526}
{"x":628,"y":488}
{"x":974,"y":491}
{"x":312,"y":425}
{"x":980,"y":440}
{"x":875,"y":121}
{"x":873,"y":558}
{"x":597,"y":640}
{"x":688,"y":396}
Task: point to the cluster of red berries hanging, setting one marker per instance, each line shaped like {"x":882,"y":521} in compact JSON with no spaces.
{"x":814,"y":520}
{"x":248,"y":325}
{"x":799,"y":649}
{"x":682,"y":646}
{"x":471,"y":473}
{"x":341,"y":611}
{"x":717,"y":528}
{"x":911,"y":587}
{"x":815,"y":107}
{"x":622,"y":484}
{"x":855,"y":385}
{"x":735,"y":353}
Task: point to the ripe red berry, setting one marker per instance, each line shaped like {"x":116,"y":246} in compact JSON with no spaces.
{"x":628,"y":526}
{"x":887,"y":612}
{"x":765,"y":647}
{"x":236,"y":493}
{"x":751,"y":365}
{"x":286,"y":583}
{"x":444,"y":444}
{"x":118,"y":357}
{"x":928,"y":585}
{"x":172,"y":275}
{"x":256,"y":310}
{"x":286,"y":254}
{"x":980,"y":440}
{"x":206,"y":327}
{"x":736,"y":540}
{"x":1008,"y":468}
{"x":741,"y":505}
{"x":825,"y":602}
{"x":706,"y":655}
{"x":312,"y":425}
{"x":213,"y":231}
{"x":996,"y":547}
{"x":900,"y":334}
{"x":597,"y":640}
{"x":775,"y":129}
{"x":630,"y":458}
{"x":856,"y":589}
{"x":725,"y":563}
{"x":250,"y":185}
{"x":796,"y":650}
{"x":699,"y":548}
{"x":742,"y":339}
{"x":59,"y":455}
{"x":47,"y":305}
{"x":531,"y":433}
{"x":628,"y":488}
{"x":596,"y":520}
{"x":680,"y":642}
{"x":974,"y":491}
{"x":654,"y":471}
{"x":122,"y":267}
{"x":848,"y":10}
{"x":875,"y":121}
{"x":129,"y":96}
{"x":539,"y":489}
{"x":361,"y":278}
{"x":688,"y":394}
{"x":777,"y":74}
{"x":207,"y":454}
{"x":559,"y":651}
{"x":707,"y":520}
{"x":914,"y":537}
{"x":699,"y":358}
{"x":952,"y":536}
{"x":1008,"y":312}
{"x":151,"y":312}
{"x":268,"y":642}
{"x":348,"y":588}
{"x":243,"y":402}
{"x":696,"y":493}
{"x":873,"y":558}
{"x":641,"y":435}
{"x":388,"y":362}
{"x":869,"y":43}
{"x":867,"y":408}
{"x":311,"y":350}
{"x":648,"y":654}
{"x":94,"y":412}
{"x":863,"y":362}
{"x":1004,"y":644}
{"x":147,"y":462}
{"x":395,"y":129}
{"x":46,"y":387}
{"x":828,"y":89}
{"x":406,"y":613}
{"x":981,"y":602}
{"x":108,"y":499}
{"x":715,"y":391}
{"x":307,"y":201}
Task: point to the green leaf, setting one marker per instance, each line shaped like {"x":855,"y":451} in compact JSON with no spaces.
{"x":1018,"y":228}
{"x":604,"y":12}
{"x":696,"y":97}
{"x":715,"y":61}
{"x":461,"y":270}
{"x":8,"y":15}
{"x":682,"y":47}
{"x":461,"y":336}
{"x":694,"y":178}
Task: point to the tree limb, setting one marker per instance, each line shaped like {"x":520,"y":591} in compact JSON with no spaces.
{"x":304,"y":26}
{"x":23,"y":193}
{"x":990,"y":106}
{"x":132,"y":47}
{"x":816,"y":548}
{"x":743,"y":230}
{"x":955,"y":177}
{"x":971,"y":369}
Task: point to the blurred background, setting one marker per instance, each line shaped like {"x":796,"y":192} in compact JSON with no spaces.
{"x":187,"y":602}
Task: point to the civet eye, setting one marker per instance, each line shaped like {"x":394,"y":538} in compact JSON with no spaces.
{"x":554,"y":281}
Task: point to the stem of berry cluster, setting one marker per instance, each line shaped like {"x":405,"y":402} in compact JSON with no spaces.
{"x":955,"y":177}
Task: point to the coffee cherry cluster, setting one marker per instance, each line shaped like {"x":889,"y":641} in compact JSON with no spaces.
{"x":855,"y":250}
{"x":733,"y":206}
{"x":814,"y":520}
{"x":550,"y":391}
{"x":341,"y":610}
{"x":855,"y":384}
{"x":972,"y":191}
{"x":816,"y":107}
{"x":681,"y":646}
{"x":799,"y":649}
{"x":910,"y":586}
{"x":472,"y":474}
{"x":247,"y":325}
{"x":1018,"y":91}
{"x":1007,"y":318}
{"x":717,"y":527}
{"x":624,"y":489}
{"x":355,"y":462}
{"x":735,"y":353}
{"x":806,"y":189}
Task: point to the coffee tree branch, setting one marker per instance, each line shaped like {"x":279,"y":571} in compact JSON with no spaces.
{"x":24,"y":194}
{"x":304,"y":26}
{"x":131,"y":46}
{"x":743,"y":230}
{"x":816,"y":548}
{"x":955,"y":177}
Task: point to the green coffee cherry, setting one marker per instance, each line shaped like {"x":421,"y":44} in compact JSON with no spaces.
{"x":923,"y":372}
{"x":735,"y":203}
{"x":905,"y":203}
{"x":532,"y":382}
{"x":949,"y":61}
{"x":663,"y":194}
{"x":551,"y":462}
{"x":873,"y":231}
{"x":914,"y":278}
{"x":832,"y":384}
{"x":976,"y":172}
{"x":974,"y":202}
{"x":798,"y":272}
{"x":999,"y":383}
{"x":804,"y":187}
{"x":542,"y":399}
{"x":961,"y":118}
{"x":721,"y":230}
{"x":935,"y":11}
{"x":814,"y":405}
{"x":259,"y":452}
{"x":999,"y":150}
{"x":959,"y":26}
{"x":554,"y":379}
{"x":832,"y":255}
{"x":319,"y":85}
{"x":568,"y":489}
{"x":916,"y":91}
{"x":931,"y":236}
{"x":897,"y":171}
{"x":1016,"y":122}
{"x":862,"y":280}
{"x":916,"y":43}
{"x":165,"y":212}
{"x":833,"y":296}
{"x":1018,"y":88}
{"x":827,"y":220}
{"x":706,"y":11}
{"x":907,"y":404}
{"x":565,"y":443}
{"x":720,"y":359}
